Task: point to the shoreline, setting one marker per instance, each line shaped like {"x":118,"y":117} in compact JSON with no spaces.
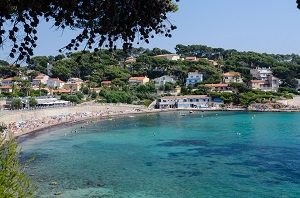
{"x":78,"y":120}
{"x":38,"y":124}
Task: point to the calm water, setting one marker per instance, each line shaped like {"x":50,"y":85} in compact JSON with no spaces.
{"x":206,"y":154}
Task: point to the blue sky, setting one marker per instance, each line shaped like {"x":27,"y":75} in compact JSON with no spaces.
{"x":271,"y":26}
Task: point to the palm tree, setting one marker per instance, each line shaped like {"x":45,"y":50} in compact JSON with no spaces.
{"x":25,"y":85}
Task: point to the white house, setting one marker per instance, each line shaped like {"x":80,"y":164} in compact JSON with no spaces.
{"x":41,"y":78}
{"x":163,"y":80}
{"x":188,"y":102}
{"x":174,"y":57}
{"x":55,"y":83}
{"x":261,"y":73}
{"x":193,"y":78}
{"x":232,"y":77}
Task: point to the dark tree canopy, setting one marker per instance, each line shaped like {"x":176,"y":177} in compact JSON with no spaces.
{"x":102,"y":22}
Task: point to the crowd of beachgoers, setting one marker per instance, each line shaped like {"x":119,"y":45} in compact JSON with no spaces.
{"x":18,"y":128}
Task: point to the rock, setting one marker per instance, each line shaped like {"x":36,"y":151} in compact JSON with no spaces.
{"x":58,"y":193}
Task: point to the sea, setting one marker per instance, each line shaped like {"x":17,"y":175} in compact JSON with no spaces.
{"x":169,"y":155}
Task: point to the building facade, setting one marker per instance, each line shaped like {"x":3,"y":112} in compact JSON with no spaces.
{"x":193,"y":78}
{"x":188,"y":102}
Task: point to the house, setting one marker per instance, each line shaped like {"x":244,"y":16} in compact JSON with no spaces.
{"x":134,"y":81}
{"x":106,"y":83}
{"x":7,"y":81}
{"x":219,"y":87}
{"x":232,"y":77}
{"x":73,"y":86}
{"x":96,"y":89}
{"x":174,"y":57}
{"x":74,"y":80}
{"x":191,"y":58}
{"x":271,"y":84}
{"x":188,"y":102}
{"x":261,"y":73}
{"x":41,"y":78}
{"x":163,"y":80}
{"x":5,"y":88}
{"x":55,"y":83}
{"x":193,"y":78}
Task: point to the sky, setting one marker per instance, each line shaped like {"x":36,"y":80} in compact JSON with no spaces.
{"x":264,"y":26}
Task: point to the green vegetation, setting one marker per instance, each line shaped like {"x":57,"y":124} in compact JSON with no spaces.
{"x":105,"y":65}
{"x":13,"y":180}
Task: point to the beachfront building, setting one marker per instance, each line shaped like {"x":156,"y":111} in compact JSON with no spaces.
{"x":163,"y":80}
{"x":188,"y":102}
{"x":40,"y":79}
{"x":193,"y":78}
{"x":261,"y":73}
{"x":271,"y":84}
{"x":174,"y":57}
{"x":55,"y":83}
{"x":232,"y":77}
{"x":219,"y":87}
{"x":141,"y":80}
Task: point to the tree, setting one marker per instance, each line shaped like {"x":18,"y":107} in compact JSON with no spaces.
{"x":25,"y":85}
{"x":13,"y":180}
{"x":101,"y":22}
{"x":94,"y":95}
{"x":32,"y":102}
{"x":16,"y":103}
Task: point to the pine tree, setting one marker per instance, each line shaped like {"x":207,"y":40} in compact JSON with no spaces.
{"x":13,"y":180}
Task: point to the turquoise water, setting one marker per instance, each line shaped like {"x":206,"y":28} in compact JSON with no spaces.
{"x":206,"y":154}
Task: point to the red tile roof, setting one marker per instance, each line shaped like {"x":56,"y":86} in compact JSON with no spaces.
{"x":7,"y":79}
{"x":137,"y":78}
{"x":57,"y":80}
{"x":5,"y":87}
{"x":106,"y":82}
{"x":231,"y":73}
{"x":216,"y":85}
{"x":257,"y":81}
{"x":61,"y":91}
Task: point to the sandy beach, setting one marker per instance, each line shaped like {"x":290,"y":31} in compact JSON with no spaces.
{"x":24,"y":122}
